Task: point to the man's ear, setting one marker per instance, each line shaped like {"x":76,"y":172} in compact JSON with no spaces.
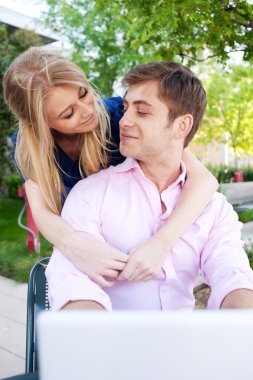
{"x":183,"y":126}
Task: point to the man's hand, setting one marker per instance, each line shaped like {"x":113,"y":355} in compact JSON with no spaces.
{"x":145,"y":261}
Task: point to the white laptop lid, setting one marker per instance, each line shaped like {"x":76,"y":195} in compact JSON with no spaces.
{"x":200,"y":345}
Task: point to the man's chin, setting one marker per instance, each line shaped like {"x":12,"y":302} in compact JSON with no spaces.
{"x":126,"y":152}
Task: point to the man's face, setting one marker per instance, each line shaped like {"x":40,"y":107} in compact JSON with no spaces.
{"x":145,"y":133}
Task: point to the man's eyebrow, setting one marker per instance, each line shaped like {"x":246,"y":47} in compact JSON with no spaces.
{"x":137,"y":102}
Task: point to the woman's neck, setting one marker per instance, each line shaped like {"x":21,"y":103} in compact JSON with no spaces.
{"x":69,"y":144}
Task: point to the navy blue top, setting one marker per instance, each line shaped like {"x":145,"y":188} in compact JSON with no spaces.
{"x":70,"y":173}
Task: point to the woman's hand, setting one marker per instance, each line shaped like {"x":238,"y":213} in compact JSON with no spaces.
{"x":145,"y":261}
{"x":100,"y":261}
{"x":91,"y":256}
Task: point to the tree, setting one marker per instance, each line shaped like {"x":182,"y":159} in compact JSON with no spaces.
{"x":111,"y":36}
{"x":229,"y":116}
{"x":11,"y":45}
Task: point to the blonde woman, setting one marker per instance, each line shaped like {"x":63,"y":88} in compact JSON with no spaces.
{"x":66,"y":132}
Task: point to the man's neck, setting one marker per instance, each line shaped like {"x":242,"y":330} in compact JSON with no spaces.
{"x":161,"y":172}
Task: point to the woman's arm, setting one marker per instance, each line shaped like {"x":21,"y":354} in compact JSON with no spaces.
{"x":145,"y":261}
{"x":96,"y":258}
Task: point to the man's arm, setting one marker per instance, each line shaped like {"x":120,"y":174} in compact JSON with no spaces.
{"x":69,"y":287}
{"x":238,"y":299}
{"x":224,"y":264}
{"x":82,"y":305}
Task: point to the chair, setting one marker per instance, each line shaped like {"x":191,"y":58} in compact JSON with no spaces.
{"x":37,"y":300}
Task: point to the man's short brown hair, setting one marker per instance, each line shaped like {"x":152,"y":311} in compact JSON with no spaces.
{"x":178,"y":88}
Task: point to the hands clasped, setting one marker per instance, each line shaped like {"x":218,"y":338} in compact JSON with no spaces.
{"x":107,"y":265}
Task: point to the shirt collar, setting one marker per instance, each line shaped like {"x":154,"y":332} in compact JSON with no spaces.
{"x":130,"y":164}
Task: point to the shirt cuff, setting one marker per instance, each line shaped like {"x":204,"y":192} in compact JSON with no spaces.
{"x":233,"y":281}
{"x":66,"y":283}
{"x":76,"y":289}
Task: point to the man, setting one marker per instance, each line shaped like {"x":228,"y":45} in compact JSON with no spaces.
{"x":126,"y":204}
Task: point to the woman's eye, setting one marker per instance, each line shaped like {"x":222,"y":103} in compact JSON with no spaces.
{"x":69,"y":115}
{"x":83,"y":92}
{"x":142,"y":113}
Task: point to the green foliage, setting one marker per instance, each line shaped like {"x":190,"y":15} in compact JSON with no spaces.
{"x":12,"y":183}
{"x":229,"y":116}
{"x":249,"y":250}
{"x":11,"y":45}
{"x":245,"y":216}
{"x":225,"y":174}
{"x":15,"y":261}
{"x":222,"y":173}
{"x":247,"y":173}
{"x":111,"y":36}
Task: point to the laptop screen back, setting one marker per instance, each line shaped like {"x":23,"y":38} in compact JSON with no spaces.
{"x":200,"y":345}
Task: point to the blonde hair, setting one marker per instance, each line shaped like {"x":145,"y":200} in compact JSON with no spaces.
{"x":27,"y":83}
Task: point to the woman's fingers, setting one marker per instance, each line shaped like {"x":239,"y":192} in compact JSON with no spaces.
{"x":104,"y":283}
{"x":117,"y":265}
{"x":112,"y":273}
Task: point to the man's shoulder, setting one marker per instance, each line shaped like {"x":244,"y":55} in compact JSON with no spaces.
{"x":219,"y":200}
{"x":219,"y":208}
{"x":94,"y":181}
{"x":97,"y":184}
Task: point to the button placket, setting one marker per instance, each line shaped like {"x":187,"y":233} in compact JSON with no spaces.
{"x":165,"y":289}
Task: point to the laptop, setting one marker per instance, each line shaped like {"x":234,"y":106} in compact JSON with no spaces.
{"x":199,"y":345}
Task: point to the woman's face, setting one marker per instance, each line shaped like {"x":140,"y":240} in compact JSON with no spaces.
{"x":71,"y":110}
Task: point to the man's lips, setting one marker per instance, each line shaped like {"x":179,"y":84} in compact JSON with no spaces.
{"x":125,"y":135}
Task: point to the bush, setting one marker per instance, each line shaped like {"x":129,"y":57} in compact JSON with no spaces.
{"x":249,"y":250}
{"x":245,"y":216}
{"x":225,"y":174}
{"x":12,"y":183}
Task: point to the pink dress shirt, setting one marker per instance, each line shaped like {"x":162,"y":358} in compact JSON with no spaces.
{"x":122,"y":207}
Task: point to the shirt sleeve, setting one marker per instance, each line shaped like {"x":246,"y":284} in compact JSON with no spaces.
{"x":224,"y":264}
{"x":115,"y":108}
{"x":66,"y":282}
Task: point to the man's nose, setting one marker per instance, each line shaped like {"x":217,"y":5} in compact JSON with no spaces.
{"x":126,"y":120}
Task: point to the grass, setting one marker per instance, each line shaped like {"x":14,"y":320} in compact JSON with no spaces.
{"x":15,"y":261}
{"x":245,"y":216}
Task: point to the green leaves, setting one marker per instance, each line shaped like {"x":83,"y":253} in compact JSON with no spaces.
{"x":11,"y":45}
{"x":111,"y":36}
{"x":229,"y":116}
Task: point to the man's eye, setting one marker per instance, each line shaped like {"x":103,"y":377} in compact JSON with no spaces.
{"x":69,"y":115}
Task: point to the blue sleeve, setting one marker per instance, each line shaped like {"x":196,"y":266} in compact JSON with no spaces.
{"x":14,"y":142}
{"x":115,"y":108}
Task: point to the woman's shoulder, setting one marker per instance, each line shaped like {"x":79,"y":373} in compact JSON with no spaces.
{"x":14,"y":138}
{"x":115,"y":108}
{"x":114,"y":105}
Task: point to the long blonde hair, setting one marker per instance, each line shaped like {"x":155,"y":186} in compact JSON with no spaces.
{"x":26,"y":84}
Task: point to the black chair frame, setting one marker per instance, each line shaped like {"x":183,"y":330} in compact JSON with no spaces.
{"x":37,"y":301}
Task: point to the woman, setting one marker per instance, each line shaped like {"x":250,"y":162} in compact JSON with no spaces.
{"x":64,"y":135}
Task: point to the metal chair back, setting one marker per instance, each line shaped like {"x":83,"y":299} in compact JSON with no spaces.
{"x":37,"y":300}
